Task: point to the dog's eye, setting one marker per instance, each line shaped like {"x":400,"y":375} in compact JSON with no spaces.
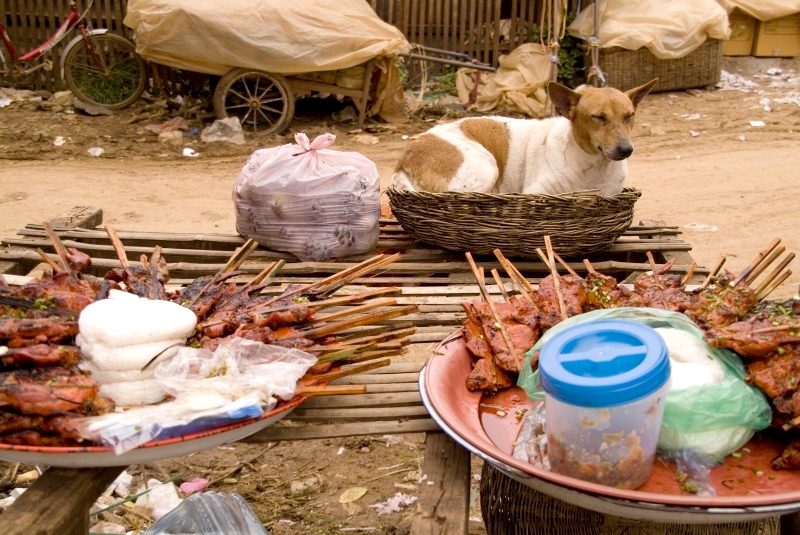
{"x":600,"y":118}
{"x":629,"y":118}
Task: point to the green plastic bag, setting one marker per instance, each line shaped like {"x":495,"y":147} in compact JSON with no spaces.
{"x":711,"y":420}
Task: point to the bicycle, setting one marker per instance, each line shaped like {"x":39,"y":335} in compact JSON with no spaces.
{"x":98,"y":67}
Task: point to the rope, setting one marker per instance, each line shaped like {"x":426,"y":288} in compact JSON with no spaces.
{"x":595,"y":74}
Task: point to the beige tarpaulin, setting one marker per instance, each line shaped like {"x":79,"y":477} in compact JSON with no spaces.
{"x":518,"y":85}
{"x":280,"y":37}
{"x":763,"y":9}
{"x":669,"y":29}
{"x":213,"y":36}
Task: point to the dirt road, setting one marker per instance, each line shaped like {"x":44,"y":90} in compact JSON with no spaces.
{"x":702,"y":160}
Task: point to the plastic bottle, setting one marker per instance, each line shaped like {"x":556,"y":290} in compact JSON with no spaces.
{"x":210,"y":513}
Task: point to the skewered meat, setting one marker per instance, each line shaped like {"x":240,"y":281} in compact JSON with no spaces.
{"x":761,"y":333}
{"x":778,"y":375}
{"x":485,"y":377}
{"x":41,"y":355}
{"x":141,"y":280}
{"x":721,"y":302}
{"x":47,"y":391}
{"x":60,"y":290}
{"x":24,"y":332}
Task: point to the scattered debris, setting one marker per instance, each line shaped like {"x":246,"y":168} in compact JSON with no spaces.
{"x":395,"y":504}
{"x":228,"y":129}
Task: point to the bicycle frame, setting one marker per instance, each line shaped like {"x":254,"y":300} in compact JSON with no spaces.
{"x":74,"y":19}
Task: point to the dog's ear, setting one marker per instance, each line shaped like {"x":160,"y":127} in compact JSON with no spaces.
{"x":637,"y":94}
{"x":564,"y":99}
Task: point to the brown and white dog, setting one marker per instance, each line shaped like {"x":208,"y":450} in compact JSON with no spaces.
{"x":584,"y":148}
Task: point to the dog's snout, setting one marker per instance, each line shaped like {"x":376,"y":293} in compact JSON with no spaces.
{"x":623,"y":150}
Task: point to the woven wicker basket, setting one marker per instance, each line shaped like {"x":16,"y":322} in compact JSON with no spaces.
{"x":625,"y":69}
{"x":577,"y":223}
{"x":511,"y":508}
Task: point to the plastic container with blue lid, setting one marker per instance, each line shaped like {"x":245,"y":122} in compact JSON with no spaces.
{"x":605,"y":385}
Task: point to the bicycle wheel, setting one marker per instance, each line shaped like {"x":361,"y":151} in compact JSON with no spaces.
{"x":263,"y":102}
{"x":115,"y":82}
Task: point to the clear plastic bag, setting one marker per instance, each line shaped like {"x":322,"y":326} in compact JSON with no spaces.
{"x":210,"y":513}
{"x":241,"y":379}
{"x":711,"y":420}
{"x":308,"y":200}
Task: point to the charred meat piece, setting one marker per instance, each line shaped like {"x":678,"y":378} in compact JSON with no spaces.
{"x":778,"y":375}
{"x":514,"y":315}
{"x":24,"y":332}
{"x":573,"y":290}
{"x":41,"y":355}
{"x":760,"y":334}
{"x":789,"y":459}
{"x":140,"y":280}
{"x":60,"y":290}
{"x":485,"y":377}
{"x":47,"y":391}
{"x":721,"y":302}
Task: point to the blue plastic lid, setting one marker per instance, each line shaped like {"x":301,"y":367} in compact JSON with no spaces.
{"x":603,"y":363}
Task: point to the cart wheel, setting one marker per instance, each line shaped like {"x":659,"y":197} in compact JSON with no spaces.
{"x":263,"y":102}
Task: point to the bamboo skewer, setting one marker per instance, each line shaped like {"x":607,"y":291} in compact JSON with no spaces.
{"x":61,"y":251}
{"x":377,"y":303}
{"x":565,"y":265}
{"x":345,"y":372}
{"x":330,"y":302}
{"x":357,"y":321}
{"x":234,"y":262}
{"x":499,"y":282}
{"x":757,"y":260}
{"x":341,"y":278}
{"x":520,"y":282}
{"x":689,"y":272}
{"x":329,"y":390}
{"x":713,"y":272}
{"x":49,"y":261}
{"x":768,"y":260}
{"x":556,"y":278}
{"x":765,"y":291}
{"x":486,"y":297}
{"x":122,"y":256}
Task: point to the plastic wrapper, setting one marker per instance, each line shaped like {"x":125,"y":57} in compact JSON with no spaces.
{"x":242,"y":379}
{"x":209,"y":513}
{"x":308,"y":200}
{"x":669,"y":30}
{"x":711,"y":420}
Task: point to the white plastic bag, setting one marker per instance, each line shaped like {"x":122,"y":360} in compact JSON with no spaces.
{"x":308,"y":200}
{"x":241,"y":379}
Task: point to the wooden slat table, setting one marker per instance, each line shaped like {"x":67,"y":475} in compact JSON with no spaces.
{"x":437,"y":281}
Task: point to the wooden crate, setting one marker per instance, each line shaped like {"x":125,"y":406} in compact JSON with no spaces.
{"x":625,"y":69}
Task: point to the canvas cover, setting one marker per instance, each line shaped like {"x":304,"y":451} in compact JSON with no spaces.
{"x":211,"y":37}
{"x":669,"y":30}
{"x":518,"y":85}
{"x":763,"y":9}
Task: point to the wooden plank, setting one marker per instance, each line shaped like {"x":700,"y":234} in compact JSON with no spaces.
{"x":443,"y":506}
{"x":58,"y":502}
{"x":360,"y":413}
{"x":87,"y":217}
{"x":277,"y":433}
{"x":363,"y":400}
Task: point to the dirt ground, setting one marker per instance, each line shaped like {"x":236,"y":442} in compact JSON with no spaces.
{"x":719,"y":163}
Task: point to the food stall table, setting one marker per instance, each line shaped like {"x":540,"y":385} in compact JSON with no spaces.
{"x":436,"y":280}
